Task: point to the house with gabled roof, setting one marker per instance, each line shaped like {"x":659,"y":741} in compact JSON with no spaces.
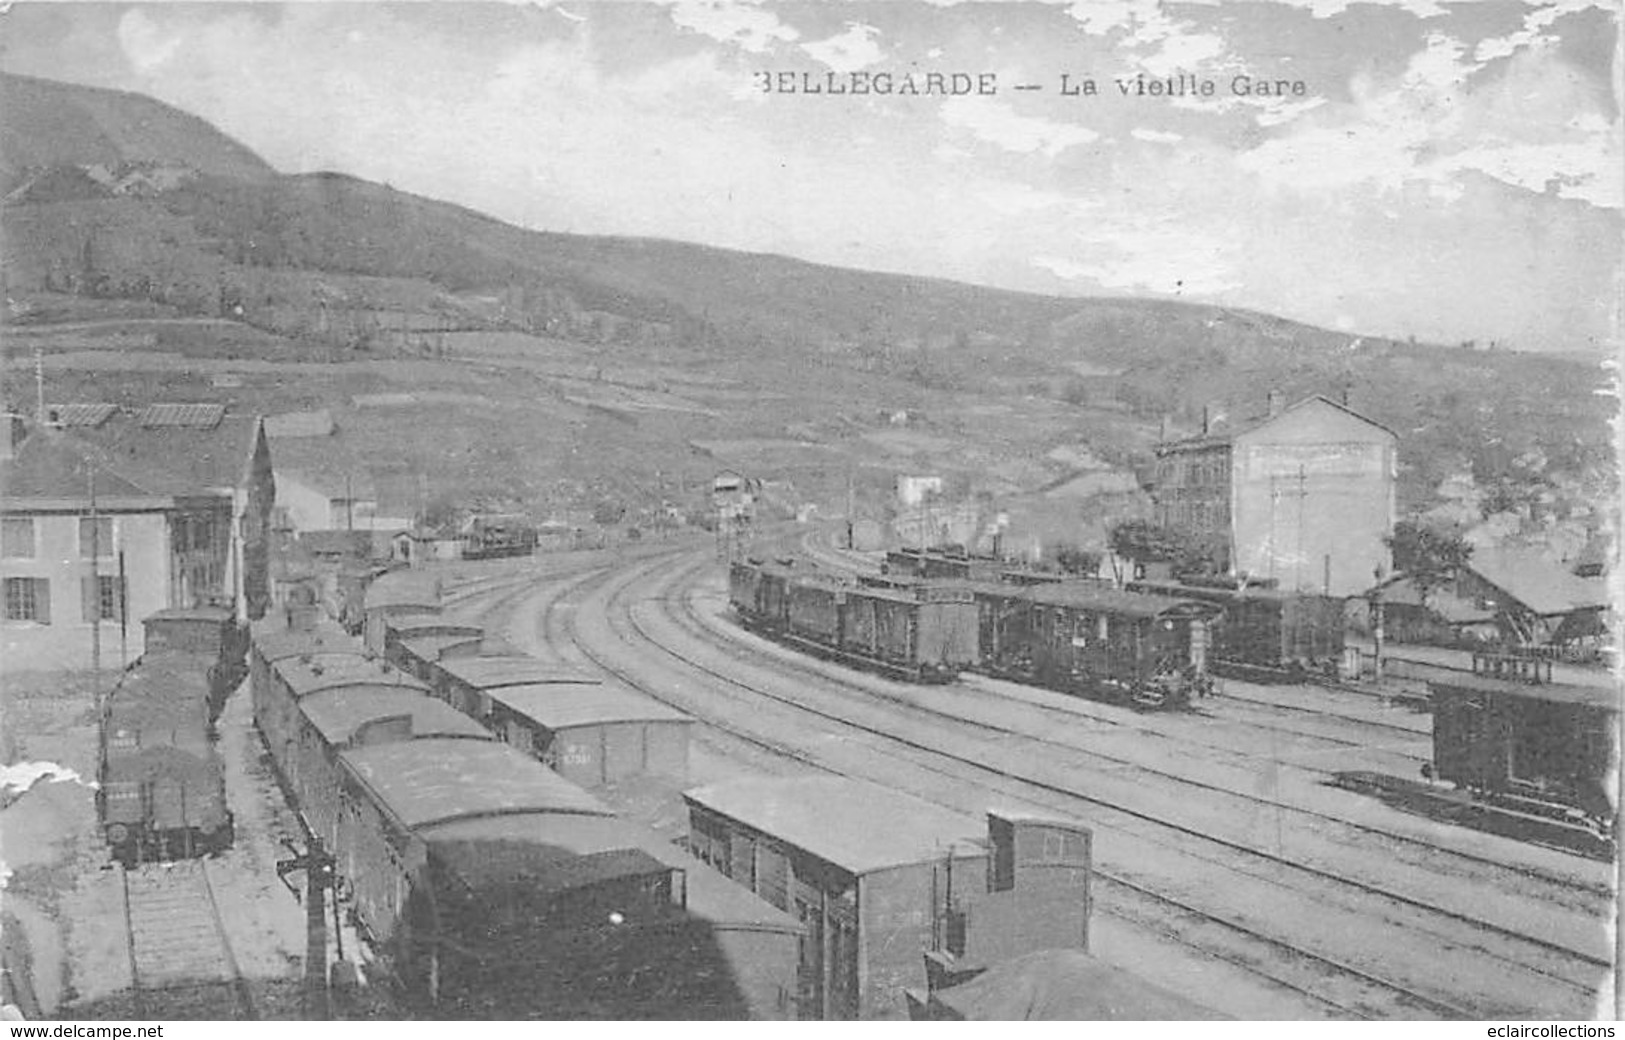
{"x":107,"y":518}
{"x":1303,"y":495}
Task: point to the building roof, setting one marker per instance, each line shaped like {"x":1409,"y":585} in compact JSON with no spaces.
{"x":79,"y":413}
{"x":317,"y":423}
{"x":437,"y":780}
{"x":338,"y":713}
{"x":1230,"y":431}
{"x":413,"y":626}
{"x":57,"y":467}
{"x":557,"y":706}
{"x":489,"y":673}
{"x":1538,"y":581}
{"x":1402,"y":591}
{"x":187,"y":416}
{"x":178,"y":450}
{"x":1064,"y":986}
{"x":854,"y":825}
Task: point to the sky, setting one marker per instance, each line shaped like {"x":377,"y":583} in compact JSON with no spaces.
{"x":1448,"y":171}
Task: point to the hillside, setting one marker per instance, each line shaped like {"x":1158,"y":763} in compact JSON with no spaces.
{"x":45,"y":123}
{"x":117,"y":202}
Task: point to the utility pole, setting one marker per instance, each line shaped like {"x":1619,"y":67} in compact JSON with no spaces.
{"x":95,"y":590}
{"x":39,"y":387}
{"x":319,"y":874}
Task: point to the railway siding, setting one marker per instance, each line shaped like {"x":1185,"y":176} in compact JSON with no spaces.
{"x":1492,"y":976}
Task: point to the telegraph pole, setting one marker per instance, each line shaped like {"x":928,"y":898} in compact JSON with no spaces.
{"x":95,"y":590}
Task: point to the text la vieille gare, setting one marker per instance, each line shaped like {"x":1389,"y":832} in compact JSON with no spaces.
{"x":986,"y":84}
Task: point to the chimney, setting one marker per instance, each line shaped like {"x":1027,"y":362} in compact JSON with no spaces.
{"x":1274,"y":402}
{"x":12,"y":435}
{"x":1207,"y":419}
{"x":1163,"y":432}
{"x":1345,"y":395}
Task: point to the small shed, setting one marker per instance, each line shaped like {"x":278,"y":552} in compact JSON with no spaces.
{"x":881,"y":878}
{"x":593,"y":734}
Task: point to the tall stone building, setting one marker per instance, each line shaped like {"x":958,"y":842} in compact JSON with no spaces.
{"x":1302,"y":495}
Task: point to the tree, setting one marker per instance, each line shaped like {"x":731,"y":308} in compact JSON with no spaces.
{"x":1075,"y":560}
{"x":608,"y":513}
{"x":1429,"y":555}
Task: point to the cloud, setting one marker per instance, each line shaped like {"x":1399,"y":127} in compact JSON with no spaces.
{"x":746,"y":26}
{"x":996,"y":123}
{"x":1429,"y":127}
{"x":1535,"y":24}
{"x":850,"y":51}
{"x":1159,"y":255}
{"x":1332,"y":8}
{"x":144,"y":43}
{"x":1158,"y":136}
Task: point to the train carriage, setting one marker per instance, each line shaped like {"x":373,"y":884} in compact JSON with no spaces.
{"x":1541,"y":750}
{"x":1266,"y":633}
{"x":161,"y":784}
{"x":1147,"y":650}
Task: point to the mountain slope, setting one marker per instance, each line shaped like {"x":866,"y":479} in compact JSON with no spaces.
{"x":46,"y":123}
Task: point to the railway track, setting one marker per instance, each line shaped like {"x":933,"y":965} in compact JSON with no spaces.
{"x":182,"y":965}
{"x":1389,"y":996}
{"x":1319,"y":722}
{"x":988,"y":713}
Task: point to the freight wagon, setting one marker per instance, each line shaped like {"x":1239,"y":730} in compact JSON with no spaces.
{"x":1265,"y":634}
{"x":915,"y":634}
{"x":160,"y":781}
{"x":1539,"y":750}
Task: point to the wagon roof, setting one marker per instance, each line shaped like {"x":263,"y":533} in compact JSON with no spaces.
{"x":557,"y":706}
{"x":510,"y":670}
{"x":437,"y":780}
{"x":538,"y":869}
{"x":176,"y":677}
{"x":1065,"y":985}
{"x":274,"y":641}
{"x":428,"y":648}
{"x":403,"y":588}
{"x":306,"y":675}
{"x":432,"y":625}
{"x":711,"y":896}
{"x":857,"y":826}
{"x":338,"y":713}
{"x":1089,"y":596}
{"x":1601,"y":697}
{"x":216,"y":615}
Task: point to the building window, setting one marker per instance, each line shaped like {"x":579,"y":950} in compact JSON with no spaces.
{"x":28,"y":599}
{"x":96,"y":537}
{"x":17,"y":538}
{"x":105,"y":599}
